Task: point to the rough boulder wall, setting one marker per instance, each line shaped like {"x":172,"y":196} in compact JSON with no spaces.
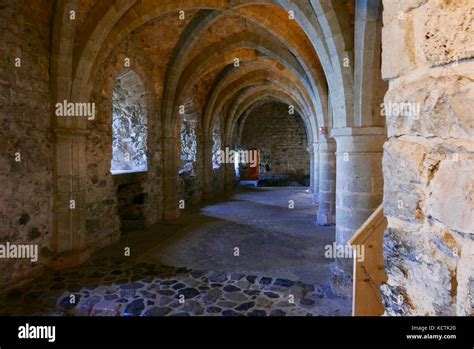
{"x":429,"y":158}
{"x":25,"y":134}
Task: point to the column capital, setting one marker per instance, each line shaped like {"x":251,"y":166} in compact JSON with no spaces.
{"x":360,"y":139}
{"x":358,"y":131}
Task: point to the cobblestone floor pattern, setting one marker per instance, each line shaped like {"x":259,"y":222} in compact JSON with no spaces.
{"x":111,"y":287}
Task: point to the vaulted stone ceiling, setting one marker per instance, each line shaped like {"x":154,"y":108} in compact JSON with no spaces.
{"x":190,"y":55}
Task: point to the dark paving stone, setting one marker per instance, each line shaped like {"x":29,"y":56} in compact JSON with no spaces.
{"x":178,"y":286}
{"x":157,"y":311}
{"x":265,"y":281}
{"x":227,"y":304}
{"x":92,"y":301}
{"x":165,"y":292}
{"x":231,"y":313}
{"x":251,"y":278}
{"x":168,"y":282}
{"x":277,"y":312}
{"x":135,"y":308}
{"x":216,"y":285}
{"x":217,"y":276}
{"x":132,"y":286}
{"x":111,"y":297}
{"x":127,"y":293}
{"x":214,"y":310}
{"x":252,"y":292}
{"x":122,"y":300}
{"x":149,"y":302}
{"x":271,"y":295}
{"x":245,"y":306}
{"x":283,"y":282}
{"x":181,"y":314}
{"x":231,"y":288}
{"x":306,"y":301}
{"x":189,"y":292}
{"x":257,"y":312}
{"x":204,"y":288}
{"x":116,"y":272}
{"x":147,"y":294}
{"x":236,"y":276}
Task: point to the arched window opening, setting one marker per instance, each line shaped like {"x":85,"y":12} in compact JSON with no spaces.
{"x":216,"y":146}
{"x":129,"y":124}
{"x":188,"y":140}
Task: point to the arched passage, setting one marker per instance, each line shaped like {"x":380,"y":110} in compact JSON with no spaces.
{"x":174,"y":83}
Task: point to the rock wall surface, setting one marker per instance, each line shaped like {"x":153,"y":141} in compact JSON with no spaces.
{"x":428,"y":164}
{"x":281,"y":139}
{"x":26,"y":165}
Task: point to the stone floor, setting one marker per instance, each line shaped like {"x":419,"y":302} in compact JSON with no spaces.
{"x":111,"y":287}
{"x":189,"y":266}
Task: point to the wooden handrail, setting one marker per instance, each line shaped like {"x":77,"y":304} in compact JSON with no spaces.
{"x":369,"y":272}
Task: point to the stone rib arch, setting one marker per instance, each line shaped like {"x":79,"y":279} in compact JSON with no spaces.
{"x":261,"y":100}
{"x":230,"y":77}
{"x":155,"y":11}
{"x":218,"y":52}
{"x":248,"y":80}
{"x":242,"y":101}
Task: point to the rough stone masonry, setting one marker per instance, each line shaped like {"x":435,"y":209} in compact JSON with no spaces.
{"x":429,"y":158}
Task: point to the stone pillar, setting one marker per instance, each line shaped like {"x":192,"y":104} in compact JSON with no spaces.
{"x":69,"y":236}
{"x":170,"y":178}
{"x":327,"y":182}
{"x":207,"y":170}
{"x":315,"y":172}
{"x":359,"y":180}
{"x":229,"y":175}
{"x":311,"y":169}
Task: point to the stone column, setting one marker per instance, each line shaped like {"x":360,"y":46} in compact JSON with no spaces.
{"x":315,"y":172}
{"x":229,"y":175}
{"x":359,"y":183}
{"x":327,"y":182}
{"x":69,"y":237}
{"x":170,"y":178}
{"x":207,"y":170}
{"x":310,"y":151}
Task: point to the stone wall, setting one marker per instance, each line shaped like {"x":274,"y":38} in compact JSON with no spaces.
{"x":26,"y":164}
{"x":281,"y":139}
{"x":110,"y":198}
{"x":428,"y":164}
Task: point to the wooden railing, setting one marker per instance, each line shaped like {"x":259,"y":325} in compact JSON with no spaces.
{"x":369,"y":273}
